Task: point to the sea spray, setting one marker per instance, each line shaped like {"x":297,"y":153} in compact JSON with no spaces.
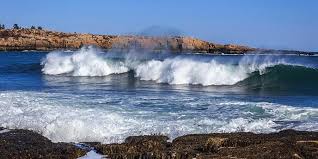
{"x":85,"y":62}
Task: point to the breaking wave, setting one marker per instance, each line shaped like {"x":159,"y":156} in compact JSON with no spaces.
{"x":85,"y":62}
{"x":181,"y":69}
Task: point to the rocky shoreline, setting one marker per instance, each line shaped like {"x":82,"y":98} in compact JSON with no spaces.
{"x":44,"y":40}
{"x":286,"y":144}
{"x":25,"y":39}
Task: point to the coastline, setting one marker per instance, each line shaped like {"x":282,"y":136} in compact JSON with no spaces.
{"x":17,"y":143}
{"x":44,"y":40}
{"x":38,"y":40}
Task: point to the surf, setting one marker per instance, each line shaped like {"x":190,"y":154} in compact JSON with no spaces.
{"x":249,"y":71}
{"x":81,"y":118}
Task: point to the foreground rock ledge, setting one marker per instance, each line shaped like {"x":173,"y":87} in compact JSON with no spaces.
{"x":24,"y":144}
{"x":286,"y":144}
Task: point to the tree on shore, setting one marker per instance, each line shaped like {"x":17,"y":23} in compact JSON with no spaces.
{"x":16,"y":26}
{"x":40,"y":28}
{"x":2,"y":26}
{"x":33,"y":27}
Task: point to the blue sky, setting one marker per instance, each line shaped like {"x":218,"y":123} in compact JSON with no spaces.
{"x":278,"y":24}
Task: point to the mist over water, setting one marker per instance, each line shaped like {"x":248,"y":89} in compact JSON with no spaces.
{"x":90,"y":95}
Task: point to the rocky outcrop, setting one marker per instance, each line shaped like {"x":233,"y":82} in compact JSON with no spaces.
{"x":43,"y":40}
{"x":24,"y":144}
{"x":287,"y":144}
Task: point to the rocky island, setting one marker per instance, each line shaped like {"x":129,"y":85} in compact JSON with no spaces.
{"x":44,"y":40}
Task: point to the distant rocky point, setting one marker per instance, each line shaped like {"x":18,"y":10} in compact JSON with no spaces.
{"x":44,"y":40}
{"x":37,"y":39}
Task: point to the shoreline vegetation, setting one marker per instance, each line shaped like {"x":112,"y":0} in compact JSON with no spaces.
{"x":286,"y":144}
{"x":38,"y":39}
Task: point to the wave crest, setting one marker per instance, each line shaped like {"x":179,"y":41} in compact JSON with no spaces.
{"x":179,"y":69}
{"x":189,"y":71}
{"x":283,"y":77}
{"x":85,"y":62}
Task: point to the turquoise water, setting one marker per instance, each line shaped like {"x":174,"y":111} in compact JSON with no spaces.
{"x":89,"y":95}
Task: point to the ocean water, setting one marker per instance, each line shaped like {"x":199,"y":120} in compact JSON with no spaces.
{"x":90,"y":95}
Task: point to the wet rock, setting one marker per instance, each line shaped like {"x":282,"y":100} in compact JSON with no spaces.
{"x":26,"y":144}
{"x":214,"y":144}
{"x":286,"y":144}
{"x":137,"y":147}
{"x":308,"y":148}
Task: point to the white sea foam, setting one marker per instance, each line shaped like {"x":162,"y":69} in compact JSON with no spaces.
{"x":291,"y":113}
{"x":93,"y":155}
{"x":73,"y":119}
{"x":4,"y":131}
{"x":281,"y":112}
{"x":248,"y":125}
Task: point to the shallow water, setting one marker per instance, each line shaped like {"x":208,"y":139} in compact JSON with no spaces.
{"x":89,"y":95}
